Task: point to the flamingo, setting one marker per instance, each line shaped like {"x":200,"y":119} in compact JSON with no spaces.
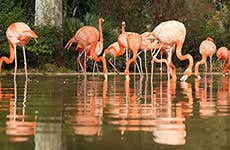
{"x":84,"y":37}
{"x":223,"y":54}
{"x":114,"y":49}
{"x":95,"y":49}
{"x":18,"y":34}
{"x":172,"y":33}
{"x":207,"y":49}
{"x":133,"y":41}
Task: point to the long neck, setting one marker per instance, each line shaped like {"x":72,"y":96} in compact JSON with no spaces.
{"x":100,"y":32}
{"x":11,"y":58}
{"x":183,"y":57}
{"x":122,"y":28}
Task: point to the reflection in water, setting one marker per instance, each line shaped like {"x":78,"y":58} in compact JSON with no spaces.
{"x":132,"y":113}
{"x":204,"y":92}
{"x":96,"y":114}
{"x":89,"y":111}
{"x":17,"y":128}
{"x":170,"y":127}
{"x":223,"y":97}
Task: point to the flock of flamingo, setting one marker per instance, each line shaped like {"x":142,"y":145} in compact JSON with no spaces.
{"x":167,"y":37}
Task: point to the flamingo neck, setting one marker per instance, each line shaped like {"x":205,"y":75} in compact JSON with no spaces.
{"x":123,"y":28}
{"x":183,"y":57}
{"x":100,"y":32}
{"x":12,"y":56}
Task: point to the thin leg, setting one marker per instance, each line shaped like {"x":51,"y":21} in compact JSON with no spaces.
{"x":161,"y":64}
{"x":15,"y":63}
{"x":114,"y":61}
{"x":211,"y":66}
{"x":146,"y":70}
{"x":114,"y":67}
{"x":79,"y":61}
{"x":25,"y":62}
{"x":85,"y":62}
{"x":169,"y":61}
{"x":138,"y":55}
{"x":140,"y":69}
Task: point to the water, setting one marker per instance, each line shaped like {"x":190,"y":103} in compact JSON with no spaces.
{"x":73,"y":112}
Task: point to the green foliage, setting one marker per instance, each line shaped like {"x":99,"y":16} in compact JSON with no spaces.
{"x":10,"y":13}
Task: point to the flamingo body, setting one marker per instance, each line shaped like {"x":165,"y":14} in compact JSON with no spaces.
{"x":207,"y":49}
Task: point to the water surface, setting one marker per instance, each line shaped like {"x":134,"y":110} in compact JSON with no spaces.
{"x":74,"y":112}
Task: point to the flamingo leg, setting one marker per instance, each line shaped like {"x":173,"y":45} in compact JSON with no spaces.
{"x":25,"y":62}
{"x":140,"y":68}
{"x":79,"y":61}
{"x":152,"y":63}
{"x":211,"y":65}
{"x":15,"y":63}
{"x":146,"y":69}
{"x":114,"y":67}
{"x":161,"y":68}
{"x":85,"y":62}
{"x":169,"y":61}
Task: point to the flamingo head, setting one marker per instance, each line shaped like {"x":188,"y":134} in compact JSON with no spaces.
{"x":101,"y":20}
{"x":30,"y":34}
{"x":123,"y":23}
{"x":222,"y":53}
{"x":210,"y":39}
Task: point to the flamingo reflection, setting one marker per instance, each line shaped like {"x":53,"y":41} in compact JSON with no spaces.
{"x":204,"y":92}
{"x":17,"y":128}
{"x":170,"y":127}
{"x":149,"y":112}
{"x":89,"y":112}
{"x":223,"y":97}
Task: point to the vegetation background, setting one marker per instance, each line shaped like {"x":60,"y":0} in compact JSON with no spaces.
{"x":202,"y":18}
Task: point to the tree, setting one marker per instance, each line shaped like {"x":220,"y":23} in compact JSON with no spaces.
{"x":50,"y":13}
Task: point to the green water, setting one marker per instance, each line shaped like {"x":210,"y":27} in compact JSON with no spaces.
{"x":73,"y":112}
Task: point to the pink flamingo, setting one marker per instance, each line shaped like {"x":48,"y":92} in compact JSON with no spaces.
{"x":134,"y":42}
{"x":223,"y":54}
{"x":90,"y":41}
{"x":207,"y":49}
{"x":18,"y":34}
{"x":84,"y":37}
{"x":172,"y":33}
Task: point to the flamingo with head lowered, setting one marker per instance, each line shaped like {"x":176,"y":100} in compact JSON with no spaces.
{"x":207,"y":49}
{"x":172,"y":34}
{"x":90,"y":41}
{"x":223,"y":54}
{"x":84,"y":37}
{"x":18,"y":34}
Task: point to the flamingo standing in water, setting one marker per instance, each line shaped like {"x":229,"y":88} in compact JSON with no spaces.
{"x":114,"y":49}
{"x":223,"y":54}
{"x":207,"y":49}
{"x":172,"y":34}
{"x":84,"y":37}
{"x":133,"y":42}
{"x":95,"y":49}
{"x":90,"y":42}
{"x":18,"y":34}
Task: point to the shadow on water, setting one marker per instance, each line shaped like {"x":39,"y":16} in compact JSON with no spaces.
{"x":69,"y":112}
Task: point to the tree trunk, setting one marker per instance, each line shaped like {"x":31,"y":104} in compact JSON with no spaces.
{"x":50,"y":13}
